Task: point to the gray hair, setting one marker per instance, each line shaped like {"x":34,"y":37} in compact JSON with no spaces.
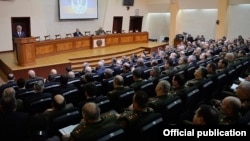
{"x":165,"y":85}
{"x":39,"y":86}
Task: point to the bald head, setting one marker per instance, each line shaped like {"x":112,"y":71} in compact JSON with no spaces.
{"x":230,"y":105}
{"x":31,"y":74}
{"x":118,"y":81}
{"x":71,"y":74}
{"x":91,"y":112}
{"x":59,"y":102}
{"x":53,"y":71}
{"x":243,"y":91}
{"x":11,"y":76}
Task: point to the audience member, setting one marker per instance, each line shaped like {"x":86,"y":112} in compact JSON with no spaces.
{"x":14,"y":125}
{"x":230,"y":110}
{"x":136,"y":111}
{"x":199,"y":75}
{"x":211,"y":69}
{"x":64,"y":86}
{"x":205,"y":115}
{"x":58,"y":104}
{"x":178,"y":85}
{"x":118,"y":88}
{"x":11,"y":92}
{"x":10,"y":83}
{"x":137,"y":77}
{"x":38,"y":95}
{"x":162,"y":95}
{"x":222,"y":65}
{"x":168,"y":67}
{"x":155,"y":73}
{"x":91,"y":123}
{"x":90,"y":94}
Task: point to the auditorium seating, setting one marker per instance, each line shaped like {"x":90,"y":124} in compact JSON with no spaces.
{"x":30,"y":83}
{"x":170,"y":110}
{"x":63,"y":119}
{"x":148,"y":128}
{"x":190,"y":99}
{"x":124,"y":100}
{"x":111,"y":133}
{"x":39,"y":106}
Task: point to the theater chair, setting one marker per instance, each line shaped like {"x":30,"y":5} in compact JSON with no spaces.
{"x":148,"y":128}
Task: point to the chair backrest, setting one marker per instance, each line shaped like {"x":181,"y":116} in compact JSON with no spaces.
{"x":24,"y":94}
{"x":111,"y":133}
{"x":30,"y":83}
{"x":128,"y":78}
{"x":99,"y":88}
{"x":190,"y":101}
{"x":124,"y":100}
{"x":75,"y":81}
{"x":70,"y":117}
{"x":146,"y":73}
{"x":104,"y":103}
{"x":171,"y":110}
{"x":206,"y":90}
{"x":71,"y":95}
{"x":39,"y":105}
{"x":189,"y":73}
{"x":149,"y":87}
{"x":96,"y":77}
{"x":148,"y":128}
{"x":107,"y":85}
{"x":49,"y":88}
{"x":220,"y":81}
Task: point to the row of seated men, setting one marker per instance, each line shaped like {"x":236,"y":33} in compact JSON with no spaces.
{"x":143,"y":114}
{"x":72,"y":91}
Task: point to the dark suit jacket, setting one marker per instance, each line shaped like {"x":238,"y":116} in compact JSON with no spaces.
{"x":14,"y":126}
{"x":77,"y":34}
{"x":23,"y":35}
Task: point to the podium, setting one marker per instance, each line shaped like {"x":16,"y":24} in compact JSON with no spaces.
{"x":25,"y":51}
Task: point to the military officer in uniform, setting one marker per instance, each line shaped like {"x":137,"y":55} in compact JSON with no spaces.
{"x":137,"y":111}
{"x":162,"y":95}
{"x":92,"y":123}
{"x":199,"y":75}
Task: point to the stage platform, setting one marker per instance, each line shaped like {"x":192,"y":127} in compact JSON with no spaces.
{"x":8,"y":62}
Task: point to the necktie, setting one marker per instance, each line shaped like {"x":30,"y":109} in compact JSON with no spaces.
{"x":19,"y":34}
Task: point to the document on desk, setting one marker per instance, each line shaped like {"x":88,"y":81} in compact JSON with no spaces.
{"x":67,"y":130}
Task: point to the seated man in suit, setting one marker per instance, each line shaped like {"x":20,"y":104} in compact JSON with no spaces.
{"x":77,"y":33}
{"x":14,"y":124}
{"x":100,"y":31}
{"x":58,"y":105}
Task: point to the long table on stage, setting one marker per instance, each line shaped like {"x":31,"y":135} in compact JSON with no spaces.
{"x":51,"y":47}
